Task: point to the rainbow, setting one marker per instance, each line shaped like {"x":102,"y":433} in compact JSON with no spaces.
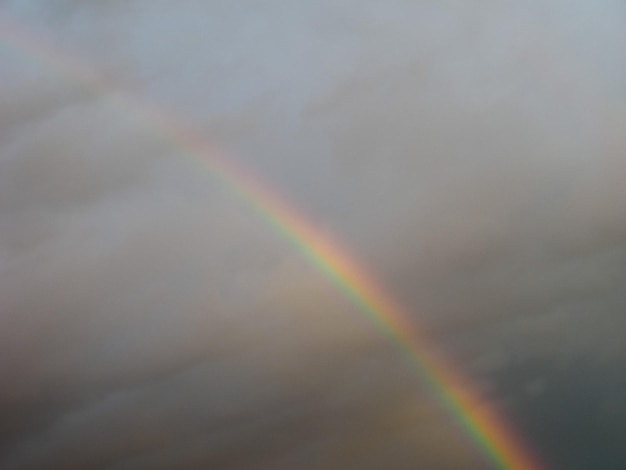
{"x":479,"y":420}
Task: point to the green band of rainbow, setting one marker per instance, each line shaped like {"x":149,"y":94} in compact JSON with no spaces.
{"x":479,"y":420}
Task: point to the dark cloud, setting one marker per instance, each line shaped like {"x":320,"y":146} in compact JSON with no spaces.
{"x":570,"y":408}
{"x":470,"y":153}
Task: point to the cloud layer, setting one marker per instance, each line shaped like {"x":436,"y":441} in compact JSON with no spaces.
{"x":470,"y":153}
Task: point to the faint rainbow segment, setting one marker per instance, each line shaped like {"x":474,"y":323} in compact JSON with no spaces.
{"x":480,"y":421}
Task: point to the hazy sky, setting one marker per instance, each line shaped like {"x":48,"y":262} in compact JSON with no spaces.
{"x":471,"y":153}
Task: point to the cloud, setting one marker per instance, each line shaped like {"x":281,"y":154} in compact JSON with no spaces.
{"x":470,"y":154}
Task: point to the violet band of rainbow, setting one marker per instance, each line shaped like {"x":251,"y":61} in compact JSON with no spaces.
{"x":480,"y":421}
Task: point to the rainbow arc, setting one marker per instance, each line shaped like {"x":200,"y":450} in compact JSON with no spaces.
{"x":480,"y":421}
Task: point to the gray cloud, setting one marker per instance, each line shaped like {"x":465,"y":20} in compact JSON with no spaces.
{"x":470,"y":153}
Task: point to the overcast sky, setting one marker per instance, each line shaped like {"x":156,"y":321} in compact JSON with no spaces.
{"x":470,"y":153}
